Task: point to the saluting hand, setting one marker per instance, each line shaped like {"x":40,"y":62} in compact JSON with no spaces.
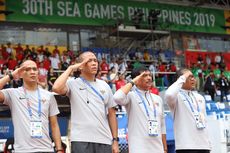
{"x":18,"y":72}
{"x":139,"y":77}
{"x":187,"y":74}
{"x":78,"y":66}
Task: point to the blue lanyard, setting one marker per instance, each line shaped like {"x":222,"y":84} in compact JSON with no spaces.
{"x":39,"y":104}
{"x":190,"y":105}
{"x":143,"y":101}
{"x":94,"y":90}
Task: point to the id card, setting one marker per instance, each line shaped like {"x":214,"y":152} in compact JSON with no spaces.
{"x":153,"y":128}
{"x":36,"y":129}
{"x":199,"y":121}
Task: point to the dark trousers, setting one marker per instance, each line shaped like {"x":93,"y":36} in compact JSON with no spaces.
{"x":192,"y":151}
{"x":88,"y":147}
{"x":222,"y":94}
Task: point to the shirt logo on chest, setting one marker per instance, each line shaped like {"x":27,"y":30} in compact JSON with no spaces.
{"x":43,"y":101}
{"x":102,"y":92}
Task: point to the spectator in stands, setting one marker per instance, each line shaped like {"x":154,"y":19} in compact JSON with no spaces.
{"x":208,"y":59}
{"x":19,"y":56}
{"x":32,"y":110}
{"x":122,"y":67}
{"x":46,"y":63}
{"x":200,"y":59}
{"x":137,"y":64}
{"x":154,"y":90}
{"x":56,"y":51}
{"x":4,"y":53}
{"x":210,"y":86}
{"x":146,"y":123}
{"x":224,"y":85}
{"x":48,"y":54}
{"x":64,"y":63}
{"x":112,"y":77}
{"x":41,"y":49}
{"x":172,"y":76}
{"x":152,"y":68}
{"x":33,"y":54}
{"x":2,"y":62}
{"x":40,"y":56}
{"x":120,"y":82}
{"x":27,"y":51}
{"x":42,"y":76}
{"x":93,"y":117}
{"x":18,"y":48}
{"x":104,"y":67}
{"x":189,"y":113}
{"x":55,"y":62}
{"x":146,"y":55}
{"x":226,"y":73}
{"x":9,"y":49}
{"x":218,"y":58}
{"x":12,"y":63}
{"x":52,"y":77}
{"x":114,"y":64}
{"x":217,"y":72}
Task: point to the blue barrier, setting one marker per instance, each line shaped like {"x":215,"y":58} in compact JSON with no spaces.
{"x":7,"y":129}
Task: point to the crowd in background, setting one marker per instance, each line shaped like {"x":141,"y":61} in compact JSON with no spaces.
{"x":114,"y":68}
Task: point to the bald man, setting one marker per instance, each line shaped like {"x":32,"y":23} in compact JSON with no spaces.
{"x":93,"y":117}
{"x":32,"y":109}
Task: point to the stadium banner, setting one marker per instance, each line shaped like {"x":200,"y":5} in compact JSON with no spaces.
{"x":191,"y":57}
{"x":109,"y":12}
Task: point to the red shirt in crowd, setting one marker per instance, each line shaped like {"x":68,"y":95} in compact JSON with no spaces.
{"x":2,"y":62}
{"x":46,"y":64}
{"x":104,"y":66}
{"x":12,"y":63}
{"x":154,"y":90}
{"x":119,"y":84}
{"x":5,"y":54}
{"x":19,"y":56}
{"x":18,"y":49}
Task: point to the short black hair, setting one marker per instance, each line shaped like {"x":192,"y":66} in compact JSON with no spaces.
{"x":181,"y":71}
{"x":138,"y":71}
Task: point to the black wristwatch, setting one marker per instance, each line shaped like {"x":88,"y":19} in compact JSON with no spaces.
{"x":115,"y":139}
{"x":10,"y":76}
{"x":132,"y":83}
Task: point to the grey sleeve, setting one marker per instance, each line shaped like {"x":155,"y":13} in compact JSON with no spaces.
{"x":111,"y":102}
{"x":7,"y":99}
{"x":121,"y":98}
{"x":53,"y":109}
{"x":68,"y":85}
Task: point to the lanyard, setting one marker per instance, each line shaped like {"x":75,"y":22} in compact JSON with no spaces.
{"x":94,"y":90}
{"x":190,"y":105}
{"x":39,"y":103}
{"x":143,"y":101}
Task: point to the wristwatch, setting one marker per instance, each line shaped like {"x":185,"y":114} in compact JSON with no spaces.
{"x":10,"y":76}
{"x":115,"y":139}
{"x":132,"y":83}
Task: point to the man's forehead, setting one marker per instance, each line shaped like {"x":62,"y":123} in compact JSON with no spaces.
{"x":88,"y":54}
{"x":29,"y":64}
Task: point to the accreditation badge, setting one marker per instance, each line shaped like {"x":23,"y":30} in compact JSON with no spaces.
{"x":153,"y":128}
{"x":36,"y":129}
{"x":200,"y":122}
